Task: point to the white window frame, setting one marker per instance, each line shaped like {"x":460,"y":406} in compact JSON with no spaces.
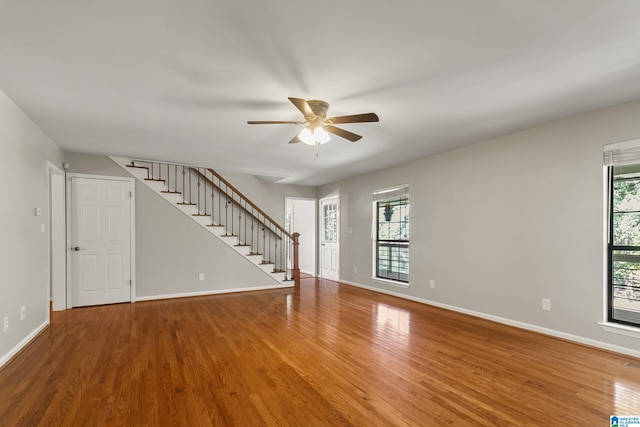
{"x":625,"y":152}
{"x":381,"y":195}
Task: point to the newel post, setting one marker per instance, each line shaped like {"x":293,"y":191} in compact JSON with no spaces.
{"x":296,"y":265}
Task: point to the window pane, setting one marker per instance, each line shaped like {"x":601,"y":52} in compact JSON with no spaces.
{"x":625,"y":256}
{"x":626,"y":228}
{"x":393,"y":220}
{"x":626,"y":286}
{"x":330,"y":223}
{"x":393,"y":261}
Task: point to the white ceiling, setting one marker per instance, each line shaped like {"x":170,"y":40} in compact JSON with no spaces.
{"x":178,"y":79}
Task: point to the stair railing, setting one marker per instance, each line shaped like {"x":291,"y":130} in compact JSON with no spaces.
{"x":214,"y":197}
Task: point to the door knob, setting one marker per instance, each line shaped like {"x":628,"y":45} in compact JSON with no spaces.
{"x":76,"y":248}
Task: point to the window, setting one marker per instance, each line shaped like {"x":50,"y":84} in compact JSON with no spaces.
{"x":623,"y":240}
{"x":392,"y":234}
{"x":624,"y":245}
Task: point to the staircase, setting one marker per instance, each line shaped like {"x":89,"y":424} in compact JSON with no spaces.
{"x":209,"y":200}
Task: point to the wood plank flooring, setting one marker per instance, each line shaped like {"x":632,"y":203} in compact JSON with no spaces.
{"x":323,"y":355}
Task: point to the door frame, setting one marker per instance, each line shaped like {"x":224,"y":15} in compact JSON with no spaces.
{"x":321,"y":232}
{"x":132,"y":237}
{"x":56,"y":238}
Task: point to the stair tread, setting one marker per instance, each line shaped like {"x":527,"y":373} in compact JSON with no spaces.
{"x":138,"y":167}
{"x":186,"y":204}
{"x":171,"y":192}
{"x":242,"y":245}
{"x":154,"y":179}
{"x":198,"y":214}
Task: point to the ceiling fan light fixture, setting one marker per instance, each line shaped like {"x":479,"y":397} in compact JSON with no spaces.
{"x":306,"y":136}
{"x":321,"y":135}
{"x":315,"y":137}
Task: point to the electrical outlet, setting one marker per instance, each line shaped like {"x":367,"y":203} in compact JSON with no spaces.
{"x":23,"y":312}
{"x":432,"y":284}
{"x":201,"y":276}
{"x":546,"y":304}
{"x":6,"y":323}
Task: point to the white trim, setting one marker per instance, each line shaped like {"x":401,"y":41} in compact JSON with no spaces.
{"x":617,"y":328}
{"x":132,"y":233}
{"x":57,"y":305}
{"x":509,"y":322}
{"x":212,"y":292}
{"x":382,"y":194}
{"x":15,"y":350}
{"x":132,"y":256}
{"x":391,"y":282}
{"x":605,"y":242}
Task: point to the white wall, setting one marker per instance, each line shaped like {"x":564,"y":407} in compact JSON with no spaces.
{"x":24,"y":264}
{"x":502,"y":224}
{"x":172,"y":250}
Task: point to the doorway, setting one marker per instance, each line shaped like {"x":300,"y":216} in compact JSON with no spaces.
{"x":100,"y":239}
{"x":300,"y":217}
{"x":329,"y":238}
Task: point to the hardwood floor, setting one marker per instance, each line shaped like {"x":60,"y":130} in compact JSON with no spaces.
{"x":323,"y":355}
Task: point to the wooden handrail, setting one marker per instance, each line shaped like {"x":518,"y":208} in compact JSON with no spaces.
{"x":253,"y":205}
{"x":235,"y":202}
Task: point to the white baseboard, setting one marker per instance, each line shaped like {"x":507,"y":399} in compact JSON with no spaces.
{"x":505,"y":321}
{"x":15,"y":350}
{"x":212,"y":292}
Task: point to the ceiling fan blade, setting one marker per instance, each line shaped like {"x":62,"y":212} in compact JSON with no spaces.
{"x":303,"y":106}
{"x":342,"y":133}
{"x":295,"y":140}
{"x":273,"y":122}
{"x":355,"y":118}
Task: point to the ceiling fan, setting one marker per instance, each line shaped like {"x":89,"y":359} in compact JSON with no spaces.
{"x":318,"y":124}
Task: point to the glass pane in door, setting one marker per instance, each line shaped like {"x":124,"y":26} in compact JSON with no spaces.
{"x":330,"y":218}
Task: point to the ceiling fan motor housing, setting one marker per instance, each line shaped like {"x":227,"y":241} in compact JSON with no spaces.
{"x":319,"y":107}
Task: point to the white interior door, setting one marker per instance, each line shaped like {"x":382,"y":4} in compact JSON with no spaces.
{"x":100,"y":241}
{"x":329,"y":245}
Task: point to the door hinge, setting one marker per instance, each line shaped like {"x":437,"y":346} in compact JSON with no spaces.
{"x":130,"y":194}
{"x":129,"y":282}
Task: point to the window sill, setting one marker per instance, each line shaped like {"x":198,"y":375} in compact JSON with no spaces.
{"x":617,"y":328}
{"x":391,"y":282}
